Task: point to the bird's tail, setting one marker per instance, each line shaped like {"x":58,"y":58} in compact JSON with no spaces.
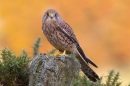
{"x":84,"y":65}
{"x":87,"y":70}
{"x":83,"y":56}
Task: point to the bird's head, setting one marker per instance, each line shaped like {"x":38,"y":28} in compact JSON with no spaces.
{"x":51,"y":14}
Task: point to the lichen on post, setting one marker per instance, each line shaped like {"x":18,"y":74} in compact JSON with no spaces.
{"x":45,"y":70}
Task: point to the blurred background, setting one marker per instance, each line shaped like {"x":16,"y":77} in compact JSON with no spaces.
{"x":101,"y":26}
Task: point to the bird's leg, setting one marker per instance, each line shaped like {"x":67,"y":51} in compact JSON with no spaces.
{"x":63,"y":54}
{"x":58,"y":53}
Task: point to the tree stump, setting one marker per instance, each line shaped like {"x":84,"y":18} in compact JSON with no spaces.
{"x":45,"y":70}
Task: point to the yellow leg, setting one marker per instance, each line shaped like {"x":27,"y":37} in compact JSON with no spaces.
{"x":59,"y":53}
{"x":63,"y":54}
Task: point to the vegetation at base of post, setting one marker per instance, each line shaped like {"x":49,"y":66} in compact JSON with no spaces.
{"x":36,"y":47}
{"x":14,"y":72}
{"x":13,"y":69}
{"x":112,"y":79}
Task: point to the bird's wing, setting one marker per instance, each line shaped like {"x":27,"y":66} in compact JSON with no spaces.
{"x":67,"y":30}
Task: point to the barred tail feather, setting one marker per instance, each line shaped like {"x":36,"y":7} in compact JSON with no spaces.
{"x":87,"y":70}
{"x":84,"y":65}
{"x":81,"y":53}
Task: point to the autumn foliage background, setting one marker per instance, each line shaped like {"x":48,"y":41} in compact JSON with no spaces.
{"x":102,"y":28}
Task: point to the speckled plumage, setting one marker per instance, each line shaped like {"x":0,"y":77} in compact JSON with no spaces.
{"x":56,"y":37}
{"x":62,"y":37}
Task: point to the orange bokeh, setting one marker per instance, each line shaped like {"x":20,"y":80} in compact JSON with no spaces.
{"x":102,"y":29}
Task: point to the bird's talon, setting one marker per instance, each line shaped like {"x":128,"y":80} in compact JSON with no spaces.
{"x":63,"y":54}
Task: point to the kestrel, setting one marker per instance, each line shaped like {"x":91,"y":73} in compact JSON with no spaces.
{"x":62,"y":37}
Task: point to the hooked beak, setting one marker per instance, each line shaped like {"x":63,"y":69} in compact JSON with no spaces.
{"x":51,"y":15}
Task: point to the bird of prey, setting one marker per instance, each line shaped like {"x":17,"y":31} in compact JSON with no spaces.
{"x":62,"y":37}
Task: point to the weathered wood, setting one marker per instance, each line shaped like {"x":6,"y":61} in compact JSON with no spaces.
{"x":46,"y":70}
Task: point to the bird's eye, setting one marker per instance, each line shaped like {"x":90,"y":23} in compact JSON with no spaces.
{"x":47,"y":14}
{"x":56,"y":14}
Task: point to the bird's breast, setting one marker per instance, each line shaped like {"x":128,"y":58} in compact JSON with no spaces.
{"x":57,"y":38}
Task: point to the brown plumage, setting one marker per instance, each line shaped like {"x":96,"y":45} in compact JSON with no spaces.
{"x":62,"y":37}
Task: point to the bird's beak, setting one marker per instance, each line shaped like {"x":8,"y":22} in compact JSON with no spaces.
{"x":51,"y":15}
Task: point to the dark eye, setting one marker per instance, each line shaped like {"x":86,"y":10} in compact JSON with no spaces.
{"x":47,"y":14}
{"x":56,"y":14}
